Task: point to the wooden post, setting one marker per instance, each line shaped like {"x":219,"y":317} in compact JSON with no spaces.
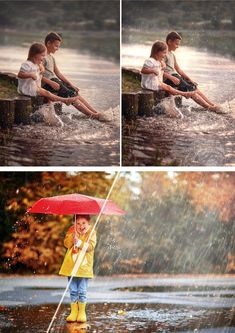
{"x":130,"y":105}
{"x":58,"y":108}
{"x":23,"y":110}
{"x":178,"y":101}
{"x":7,"y":113}
{"x":159,"y":95}
{"x":146,"y":103}
{"x":37,"y":102}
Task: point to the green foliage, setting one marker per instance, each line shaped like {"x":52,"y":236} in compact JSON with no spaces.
{"x":7,"y":90}
{"x":130,"y":84}
{"x":176,"y":14}
{"x":79,"y":15}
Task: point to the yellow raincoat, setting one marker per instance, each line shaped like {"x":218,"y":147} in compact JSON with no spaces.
{"x":86,"y":268}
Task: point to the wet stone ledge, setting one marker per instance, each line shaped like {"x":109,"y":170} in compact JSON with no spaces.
{"x":140,"y":102}
{"x":18,"y":110}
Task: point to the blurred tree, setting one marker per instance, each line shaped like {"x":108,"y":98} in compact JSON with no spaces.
{"x":58,"y":14}
{"x":36,"y":242}
{"x":176,"y":222}
{"x":172,"y":226}
{"x":177,"y":14}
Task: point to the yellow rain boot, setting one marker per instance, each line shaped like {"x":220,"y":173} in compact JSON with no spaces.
{"x":74,"y":312}
{"x":81,"y":318}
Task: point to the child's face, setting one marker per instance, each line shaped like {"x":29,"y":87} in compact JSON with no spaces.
{"x":52,"y":47}
{"x":161,"y":55}
{"x":38,"y":58}
{"x":82,"y":225}
{"x":174,"y":44}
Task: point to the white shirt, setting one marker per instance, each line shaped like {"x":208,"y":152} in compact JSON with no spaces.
{"x":152,"y":81}
{"x":29,"y":86}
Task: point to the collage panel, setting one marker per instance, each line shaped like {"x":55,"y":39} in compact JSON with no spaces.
{"x":148,"y":252}
{"x":178,"y":86}
{"x":60,"y":83}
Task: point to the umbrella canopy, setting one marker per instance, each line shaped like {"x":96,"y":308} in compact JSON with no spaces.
{"x":75,"y":204}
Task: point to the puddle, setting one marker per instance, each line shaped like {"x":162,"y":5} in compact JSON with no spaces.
{"x":108,"y":317}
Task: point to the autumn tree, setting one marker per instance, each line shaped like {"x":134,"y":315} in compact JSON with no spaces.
{"x":36,"y":243}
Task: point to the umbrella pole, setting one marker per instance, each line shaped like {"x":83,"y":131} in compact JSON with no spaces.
{"x":82,"y":254}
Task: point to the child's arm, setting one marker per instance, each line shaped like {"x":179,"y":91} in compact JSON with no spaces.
{"x":41,"y":68}
{"x":27,"y":75}
{"x":63,"y":78}
{"x":147,"y":70}
{"x":92,"y":243}
{"x":182,"y":73}
{"x":174,"y":79}
{"x":68,"y":241}
{"x":51,"y":83}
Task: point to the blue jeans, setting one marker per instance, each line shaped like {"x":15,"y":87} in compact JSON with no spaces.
{"x":78,"y":289}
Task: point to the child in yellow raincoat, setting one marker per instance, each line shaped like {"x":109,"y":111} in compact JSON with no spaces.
{"x":74,"y":240}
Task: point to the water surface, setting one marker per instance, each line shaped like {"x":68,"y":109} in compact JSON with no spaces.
{"x":169,"y":304}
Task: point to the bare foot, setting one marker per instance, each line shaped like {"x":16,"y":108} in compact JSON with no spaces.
{"x":100,"y":116}
{"x":217,"y":109}
{"x":96,"y":115}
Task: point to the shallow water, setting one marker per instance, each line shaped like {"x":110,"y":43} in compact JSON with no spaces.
{"x":110,"y":317}
{"x":156,"y":304}
{"x":201,"y":137}
{"x":80,"y":138}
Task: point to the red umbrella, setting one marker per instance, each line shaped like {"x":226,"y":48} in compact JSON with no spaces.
{"x":75,"y":204}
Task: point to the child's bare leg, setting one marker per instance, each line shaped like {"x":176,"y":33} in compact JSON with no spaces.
{"x":55,"y":98}
{"x":199,"y":100}
{"x":84,"y":109}
{"x":84,"y":102}
{"x":204,"y":97}
{"x":174,"y":91}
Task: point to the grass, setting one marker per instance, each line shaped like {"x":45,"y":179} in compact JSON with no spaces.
{"x":130,"y":84}
{"x":7,"y":90}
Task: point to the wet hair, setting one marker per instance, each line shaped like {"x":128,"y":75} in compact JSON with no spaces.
{"x":157,"y":46}
{"x":86,"y":216}
{"x":36,"y":48}
{"x":173,"y":35}
{"x":52,"y":37}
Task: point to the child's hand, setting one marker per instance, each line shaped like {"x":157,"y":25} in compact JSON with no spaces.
{"x":78,"y":243}
{"x":55,"y":85}
{"x":75,"y":88}
{"x":155,"y":71}
{"x":193,"y":82}
{"x":33,"y":76}
{"x":163,"y":64}
{"x":175,"y":80}
{"x":41,"y":68}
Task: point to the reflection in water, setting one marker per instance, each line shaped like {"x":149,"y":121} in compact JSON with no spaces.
{"x":80,"y":138}
{"x":109,"y":317}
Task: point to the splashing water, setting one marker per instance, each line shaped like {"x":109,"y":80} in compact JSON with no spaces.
{"x":71,"y":139}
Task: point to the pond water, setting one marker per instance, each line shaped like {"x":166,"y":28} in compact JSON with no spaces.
{"x":201,"y":137}
{"x":79,"y":140}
